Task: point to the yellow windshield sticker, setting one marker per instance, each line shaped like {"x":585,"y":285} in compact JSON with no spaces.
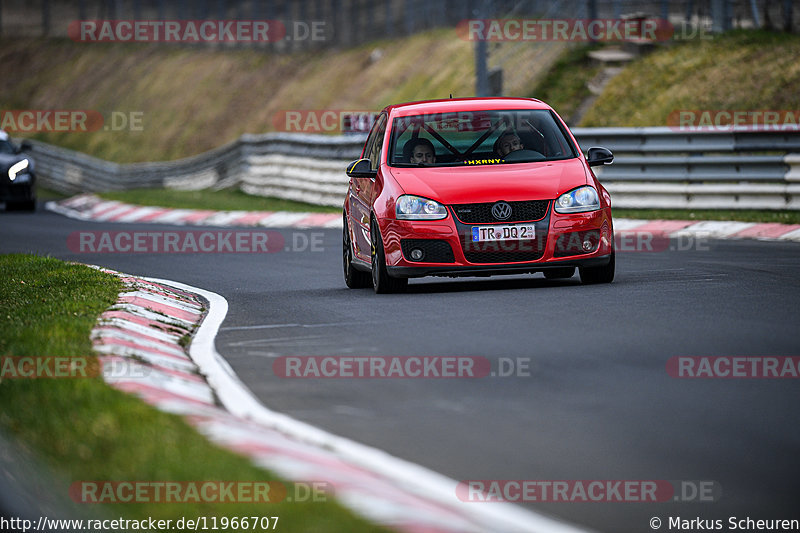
{"x":483,"y":161}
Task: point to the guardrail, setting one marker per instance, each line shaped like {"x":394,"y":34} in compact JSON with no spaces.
{"x":70,"y":172}
{"x":670,"y":169}
{"x":653,"y":168}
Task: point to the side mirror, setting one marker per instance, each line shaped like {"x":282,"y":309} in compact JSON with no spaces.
{"x":361,"y":168}
{"x":25,"y":146}
{"x":599,"y":156}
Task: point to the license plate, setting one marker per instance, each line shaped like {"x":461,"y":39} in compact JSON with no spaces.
{"x":514,"y":232}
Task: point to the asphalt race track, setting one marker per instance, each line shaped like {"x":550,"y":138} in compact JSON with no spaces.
{"x":598,"y":403}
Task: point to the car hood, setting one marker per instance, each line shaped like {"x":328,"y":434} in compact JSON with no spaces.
{"x":489,"y":183}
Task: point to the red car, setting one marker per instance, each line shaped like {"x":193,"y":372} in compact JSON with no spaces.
{"x":474,"y":187}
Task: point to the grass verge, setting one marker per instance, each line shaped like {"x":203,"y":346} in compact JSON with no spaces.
{"x":564,"y":86}
{"x":224,"y":200}
{"x":43,"y":194}
{"x":740,"y":215}
{"x":85,"y":430}
{"x":235,"y":200}
{"x":738,"y":70}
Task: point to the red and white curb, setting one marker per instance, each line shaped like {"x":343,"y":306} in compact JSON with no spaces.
{"x":710,"y":229}
{"x":94,"y":208}
{"x":144,"y":329}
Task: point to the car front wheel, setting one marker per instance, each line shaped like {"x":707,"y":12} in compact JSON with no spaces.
{"x":603,"y":274}
{"x":382,"y":282}
{"x":27,"y":205}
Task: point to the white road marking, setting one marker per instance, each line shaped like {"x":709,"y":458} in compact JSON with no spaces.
{"x":713,"y":229}
{"x":791,"y":236}
{"x":272,"y":326}
{"x":624,"y":224}
{"x":425,"y":483}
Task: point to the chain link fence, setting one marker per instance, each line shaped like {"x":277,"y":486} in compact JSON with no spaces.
{"x":353,"y":22}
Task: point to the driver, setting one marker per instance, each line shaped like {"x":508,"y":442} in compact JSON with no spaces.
{"x":507,"y":142}
{"x":421,"y":151}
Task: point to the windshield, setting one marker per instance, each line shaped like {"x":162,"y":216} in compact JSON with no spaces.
{"x":478,"y":138}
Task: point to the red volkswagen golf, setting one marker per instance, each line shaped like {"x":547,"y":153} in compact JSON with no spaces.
{"x":474,"y":187}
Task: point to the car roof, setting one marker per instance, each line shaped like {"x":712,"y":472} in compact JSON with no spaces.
{"x":454,"y":105}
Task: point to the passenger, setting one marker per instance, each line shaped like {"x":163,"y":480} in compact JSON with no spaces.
{"x":420,"y":152}
{"x":507,"y":142}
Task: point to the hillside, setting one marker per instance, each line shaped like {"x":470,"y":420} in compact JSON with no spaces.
{"x":194,"y":99}
{"x":740,"y":70}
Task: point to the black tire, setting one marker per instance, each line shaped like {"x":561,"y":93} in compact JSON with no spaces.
{"x":24,"y":205}
{"x":353,"y":278}
{"x":559,"y":273}
{"x":382,"y":282}
{"x":603,"y":274}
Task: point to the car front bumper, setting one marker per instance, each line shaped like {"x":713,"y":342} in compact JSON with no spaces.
{"x":558,"y":244}
{"x":21,"y":189}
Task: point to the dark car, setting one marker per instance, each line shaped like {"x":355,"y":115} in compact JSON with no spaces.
{"x":17,"y":177}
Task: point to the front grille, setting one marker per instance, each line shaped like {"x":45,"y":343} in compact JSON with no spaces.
{"x":433,"y":250}
{"x":505,"y":251}
{"x":520,"y":212}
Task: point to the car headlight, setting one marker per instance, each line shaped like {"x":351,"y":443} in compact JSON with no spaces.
{"x":578,"y":200}
{"x":410,"y":207}
{"x":16,"y":168}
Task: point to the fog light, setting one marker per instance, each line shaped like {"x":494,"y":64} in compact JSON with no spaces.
{"x":416,"y":254}
{"x":587,"y":245}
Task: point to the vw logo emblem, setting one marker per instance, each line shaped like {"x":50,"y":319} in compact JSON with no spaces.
{"x":501,"y":210}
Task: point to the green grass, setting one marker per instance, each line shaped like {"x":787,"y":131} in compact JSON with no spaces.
{"x":223,"y":200}
{"x":564,"y":86}
{"x":741,"y":215}
{"x":85,"y":430}
{"x":41,"y":295}
{"x":239,"y":201}
{"x":44,"y":194}
{"x":738,"y":70}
